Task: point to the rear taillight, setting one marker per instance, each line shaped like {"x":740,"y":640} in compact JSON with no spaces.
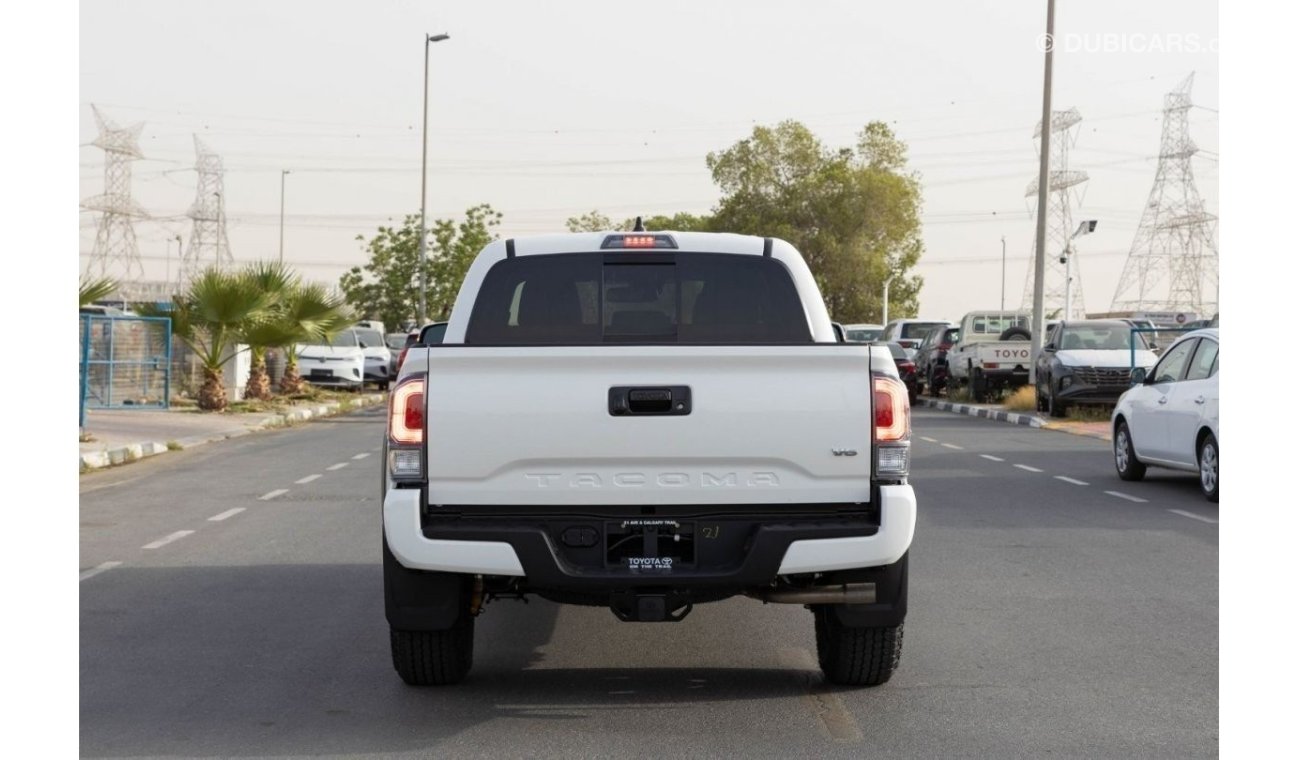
{"x":402,"y":357}
{"x":406,"y":413}
{"x":893,"y":427}
{"x":906,"y":367}
{"x":406,"y":430}
{"x":893,"y":413}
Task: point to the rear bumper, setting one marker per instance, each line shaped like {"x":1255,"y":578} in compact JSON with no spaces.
{"x":529,"y":548}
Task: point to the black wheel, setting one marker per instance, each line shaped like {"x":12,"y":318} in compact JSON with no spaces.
{"x":856,"y":656}
{"x":1014,"y":333}
{"x":1208,"y":458}
{"x":978,"y":387}
{"x":1055,"y":407}
{"x":434,"y":658}
{"x":932,"y":384}
{"x":1040,"y":398}
{"x":428,"y":657}
{"x":1126,"y":461}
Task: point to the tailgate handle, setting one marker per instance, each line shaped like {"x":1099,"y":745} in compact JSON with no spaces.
{"x":663,"y":400}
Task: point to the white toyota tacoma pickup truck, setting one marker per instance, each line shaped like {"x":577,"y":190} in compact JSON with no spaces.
{"x":646,"y":422}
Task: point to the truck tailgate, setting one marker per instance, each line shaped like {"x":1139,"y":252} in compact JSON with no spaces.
{"x":532,"y":425}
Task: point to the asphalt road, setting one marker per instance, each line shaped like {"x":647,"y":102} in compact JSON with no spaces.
{"x":1047,"y":617}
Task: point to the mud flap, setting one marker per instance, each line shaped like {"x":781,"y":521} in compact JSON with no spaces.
{"x":891,"y":596}
{"x":419,"y":600}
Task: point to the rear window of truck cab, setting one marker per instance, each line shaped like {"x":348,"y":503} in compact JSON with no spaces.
{"x":596,"y":298}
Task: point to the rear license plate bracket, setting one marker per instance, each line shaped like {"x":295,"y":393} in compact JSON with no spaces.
{"x":650,"y":545}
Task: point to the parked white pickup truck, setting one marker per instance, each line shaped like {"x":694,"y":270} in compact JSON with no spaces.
{"x":645,"y":422}
{"x":991,"y":352}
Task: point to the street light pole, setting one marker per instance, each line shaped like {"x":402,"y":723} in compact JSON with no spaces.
{"x":1068,"y":280}
{"x":884,"y":308}
{"x":424,"y":164}
{"x":180,"y":259}
{"x":1067,"y":258}
{"x":283,"y":173}
{"x":1044,"y":180}
{"x":1003,"y":307}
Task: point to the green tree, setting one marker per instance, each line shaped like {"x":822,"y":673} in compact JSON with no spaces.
{"x":277,"y":281}
{"x":94,"y":290}
{"x":854,"y":213}
{"x":455,"y":244}
{"x":211,"y":318}
{"x":387,"y":288}
{"x":592,"y":221}
{"x":307,"y":313}
{"x":679,"y":222}
{"x":595,"y":221}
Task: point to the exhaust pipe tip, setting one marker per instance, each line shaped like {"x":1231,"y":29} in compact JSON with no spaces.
{"x":843,"y":593}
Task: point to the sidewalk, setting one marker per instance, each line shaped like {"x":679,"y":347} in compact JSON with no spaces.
{"x":126,"y":435}
{"x":1099,"y":429}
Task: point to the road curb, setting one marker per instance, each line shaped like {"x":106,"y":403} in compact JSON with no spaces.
{"x":988,"y":413}
{"x":133,"y":452}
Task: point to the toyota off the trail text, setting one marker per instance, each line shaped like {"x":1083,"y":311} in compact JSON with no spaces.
{"x":646,"y":422}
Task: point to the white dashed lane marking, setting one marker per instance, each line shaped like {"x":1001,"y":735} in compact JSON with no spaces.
{"x":1195,"y":517}
{"x":307,"y":479}
{"x":338,"y":466}
{"x":1027,"y":468}
{"x":992,"y":458}
{"x":103,"y":567}
{"x":272,"y":494}
{"x":1126,"y":496}
{"x":362,"y":455}
{"x":226,"y":515}
{"x":928,"y":438}
{"x":168,"y":539}
{"x":950,"y":446}
{"x":1071,"y":480}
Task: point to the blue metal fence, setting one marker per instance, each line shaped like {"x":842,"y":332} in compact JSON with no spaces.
{"x":125,"y":363}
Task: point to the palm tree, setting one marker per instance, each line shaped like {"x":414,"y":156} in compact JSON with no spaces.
{"x":278,"y":282}
{"x":308,"y":313}
{"x":93,"y":290}
{"x":211,"y":318}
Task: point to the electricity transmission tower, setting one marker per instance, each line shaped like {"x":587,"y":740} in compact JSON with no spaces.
{"x":1174,"y":262}
{"x":1062,"y":195}
{"x":208,"y":243}
{"x":115,"y":254}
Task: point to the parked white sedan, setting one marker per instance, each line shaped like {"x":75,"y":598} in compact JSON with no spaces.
{"x":1170,"y":418}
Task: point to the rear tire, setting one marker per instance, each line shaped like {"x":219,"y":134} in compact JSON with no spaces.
{"x":434,"y":658}
{"x":1207,"y":459}
{"x":1055,"y":408}
{"x":978,"y":387}
{"x":1014,"y":333}
{"x":934,"y":386}
{"x":851,"y":656}
{"x":1126,"y":461}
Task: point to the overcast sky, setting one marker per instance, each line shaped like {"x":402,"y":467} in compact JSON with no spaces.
{"x":550,"y":109}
